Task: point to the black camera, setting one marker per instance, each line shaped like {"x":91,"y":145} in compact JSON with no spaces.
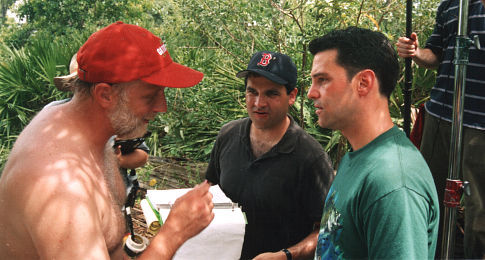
{"x":129,"y":145}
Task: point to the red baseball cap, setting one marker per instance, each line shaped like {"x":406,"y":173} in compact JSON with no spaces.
{"x":124,"y":52}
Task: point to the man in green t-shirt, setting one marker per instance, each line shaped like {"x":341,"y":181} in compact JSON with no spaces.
{"x":383,"y":202}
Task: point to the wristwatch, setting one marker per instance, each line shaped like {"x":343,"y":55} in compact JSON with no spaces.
{"x":287,"y":253}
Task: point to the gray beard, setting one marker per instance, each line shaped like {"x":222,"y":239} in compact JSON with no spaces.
{"x":124,"y":122}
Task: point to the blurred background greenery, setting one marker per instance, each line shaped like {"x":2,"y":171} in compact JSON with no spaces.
{"x":217,"y":37}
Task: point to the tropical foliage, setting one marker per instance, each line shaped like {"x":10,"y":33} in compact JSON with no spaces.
{"x":213,"y":36}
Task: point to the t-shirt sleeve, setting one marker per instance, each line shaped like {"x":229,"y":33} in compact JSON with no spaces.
{"x":435,"y":42}
{"x":396,"y":226}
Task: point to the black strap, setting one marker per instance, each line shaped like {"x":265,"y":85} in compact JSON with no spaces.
{"x":287,"y":253}
{"x":130,"y":202}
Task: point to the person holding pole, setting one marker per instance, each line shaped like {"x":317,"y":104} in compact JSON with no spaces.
{"x":439,"y":52}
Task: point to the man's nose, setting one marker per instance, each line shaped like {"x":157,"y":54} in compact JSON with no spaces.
{"x":260,"y":101}
{"x":312,"y":92}
{"x":161,"y":105}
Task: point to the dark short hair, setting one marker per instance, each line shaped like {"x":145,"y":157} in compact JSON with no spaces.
{"x":359,"y":49}
{"x":289,"y":87}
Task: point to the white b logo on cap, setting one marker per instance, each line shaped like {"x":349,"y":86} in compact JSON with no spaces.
{"x":162,"y":49}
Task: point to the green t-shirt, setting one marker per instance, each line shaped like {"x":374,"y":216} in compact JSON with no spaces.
{"x":382,"y":204}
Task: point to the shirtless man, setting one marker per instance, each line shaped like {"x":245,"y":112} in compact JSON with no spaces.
{"x":61,"y":193}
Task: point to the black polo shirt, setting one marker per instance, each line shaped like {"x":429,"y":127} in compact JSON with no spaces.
{"x":282,"y":192}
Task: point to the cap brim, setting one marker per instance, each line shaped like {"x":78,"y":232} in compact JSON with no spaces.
{"x":264,"y":73}
{"x":175,"y":76}
{"x":64,"y":83}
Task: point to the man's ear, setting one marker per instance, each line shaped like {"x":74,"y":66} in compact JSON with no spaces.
{"x":366,"y":82}
{"x":104,"y":94}
{"x":292,"y":96}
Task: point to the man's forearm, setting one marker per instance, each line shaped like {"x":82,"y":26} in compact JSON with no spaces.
{"x":305,"y":249}
{"x":134,"y":160}
{"x":426,"y":58}
{"x":163,"y":246}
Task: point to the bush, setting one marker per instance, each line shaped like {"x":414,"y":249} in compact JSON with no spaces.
{"x":215,"y":37}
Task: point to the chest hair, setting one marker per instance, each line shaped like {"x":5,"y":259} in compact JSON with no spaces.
{"x":113,"y":178}
{"x":260,"y":146}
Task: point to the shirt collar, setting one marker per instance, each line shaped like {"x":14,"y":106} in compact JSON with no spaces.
{"x":285,"y":145}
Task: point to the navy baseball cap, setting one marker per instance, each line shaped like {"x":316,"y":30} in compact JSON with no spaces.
{"x":274,"y":66}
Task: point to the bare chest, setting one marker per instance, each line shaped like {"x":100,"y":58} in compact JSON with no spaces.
{"x":114,"y":227}
{"x":112,"y":217}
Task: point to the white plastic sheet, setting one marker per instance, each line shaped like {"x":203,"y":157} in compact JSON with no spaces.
{"x":224,"y":236}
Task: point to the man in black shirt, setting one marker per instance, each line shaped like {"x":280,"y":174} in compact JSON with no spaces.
{"x":277,"y":172}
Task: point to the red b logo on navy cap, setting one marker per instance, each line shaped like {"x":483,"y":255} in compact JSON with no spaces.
{"x":274,"y":66}
{"x":265,"y":59}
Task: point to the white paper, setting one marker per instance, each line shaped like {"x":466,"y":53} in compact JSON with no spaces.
{"x":167,"y":197}
{"x":224,"y":236}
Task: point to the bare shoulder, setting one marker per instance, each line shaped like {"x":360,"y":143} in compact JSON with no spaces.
{"x":46,"y":186}
{"x":43,"y":172}
{"x":51,"y":159}
{"x":41,"y":216}
{"x":51,"y":212}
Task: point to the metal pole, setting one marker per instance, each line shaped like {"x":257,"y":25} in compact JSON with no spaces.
{"x":408,"y":73}
{"x":454,"y":166}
